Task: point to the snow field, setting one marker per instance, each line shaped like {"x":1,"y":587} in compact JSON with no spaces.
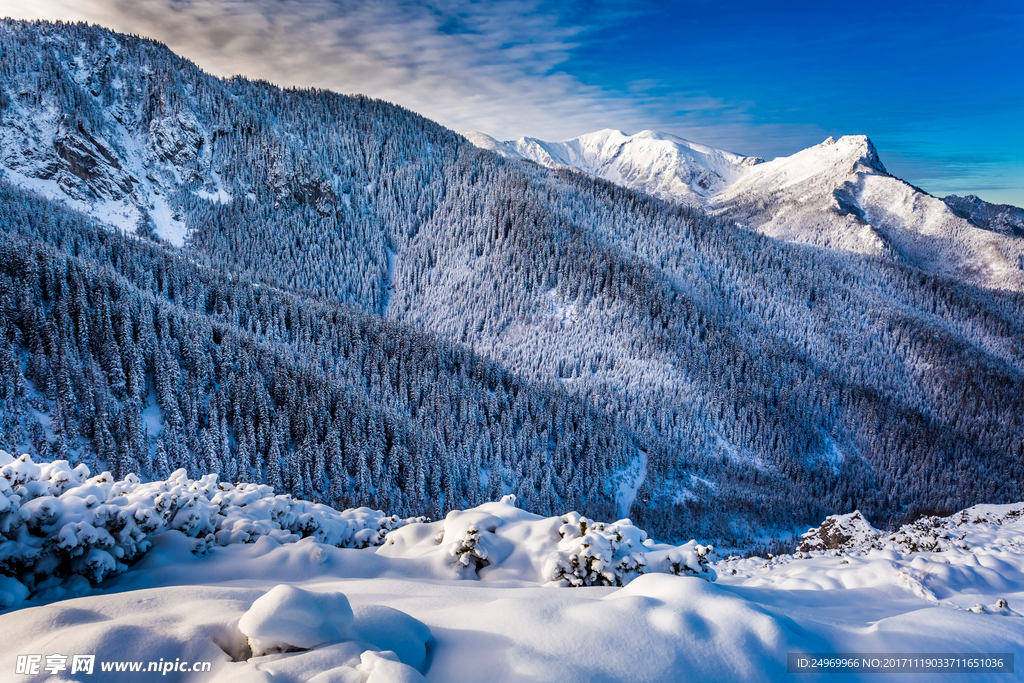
{"x":272,"y":589}
{"x":658,"y":628}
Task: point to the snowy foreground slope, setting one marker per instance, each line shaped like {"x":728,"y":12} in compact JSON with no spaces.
{"x":837,"y":194}
{"x":471,"y":597}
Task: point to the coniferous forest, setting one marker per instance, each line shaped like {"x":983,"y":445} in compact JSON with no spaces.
{"x":337,"y":297}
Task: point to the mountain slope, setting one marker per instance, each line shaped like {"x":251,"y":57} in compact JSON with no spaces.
{"x":121,"y":353}
{"x":721,"y":381}
{"x":836,"y":195}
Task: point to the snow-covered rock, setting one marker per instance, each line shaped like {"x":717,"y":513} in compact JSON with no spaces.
{"x":88,"y":166}
{"x":841,"y":532}
{"x":948,"y":561}
{"x":985,"y":526}
{"x":287,"y":619}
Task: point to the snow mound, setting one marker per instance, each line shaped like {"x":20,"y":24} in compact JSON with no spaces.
{"x":392,"y":645}
{"x":499,"y":542}
{"x":62,"y":531}
{"x":392,"y":630}
{"x":288,"y":619}
{"x":384,"y":667}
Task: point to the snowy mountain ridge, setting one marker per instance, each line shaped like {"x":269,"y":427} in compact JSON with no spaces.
{"x":837,"y":194}
{"x":660,"y":164}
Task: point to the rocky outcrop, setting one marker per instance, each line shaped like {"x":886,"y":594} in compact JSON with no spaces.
{"x":841,"y":532}
{"x":87,"y":166}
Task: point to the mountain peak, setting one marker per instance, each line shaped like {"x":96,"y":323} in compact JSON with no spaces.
{"x":836,"y":194}
{"x":856,"y":151}
{"x":865,"y":149}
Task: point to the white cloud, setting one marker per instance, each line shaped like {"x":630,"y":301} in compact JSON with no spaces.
{"x":468,"y":65}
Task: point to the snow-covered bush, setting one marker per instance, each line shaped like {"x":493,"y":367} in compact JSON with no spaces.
{"x":597,"y":554}
{"x":690,"y":559}
{"x":470,"y":550}
{"x":468,"y":537}
{"x":504,"y":543}
{"x":62,"y":529}
{"x":927,"y":534}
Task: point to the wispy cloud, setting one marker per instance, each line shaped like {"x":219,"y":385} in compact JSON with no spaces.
{"x":490,"y":66}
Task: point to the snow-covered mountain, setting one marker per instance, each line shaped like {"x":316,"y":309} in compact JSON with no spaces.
{"x":365,"y":308}
{"x":121,"y":176}
{"x":659,"y":164}
{"x":837,"y":194}
{"x":1001,"y":218}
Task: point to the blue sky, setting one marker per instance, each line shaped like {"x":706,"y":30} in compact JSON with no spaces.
{"x":938,"y":86}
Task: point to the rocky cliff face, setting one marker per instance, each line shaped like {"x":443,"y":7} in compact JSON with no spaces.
{"x":87,"y":166}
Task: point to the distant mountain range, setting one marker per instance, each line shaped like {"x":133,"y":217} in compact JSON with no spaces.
{"x":837,"y":194}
